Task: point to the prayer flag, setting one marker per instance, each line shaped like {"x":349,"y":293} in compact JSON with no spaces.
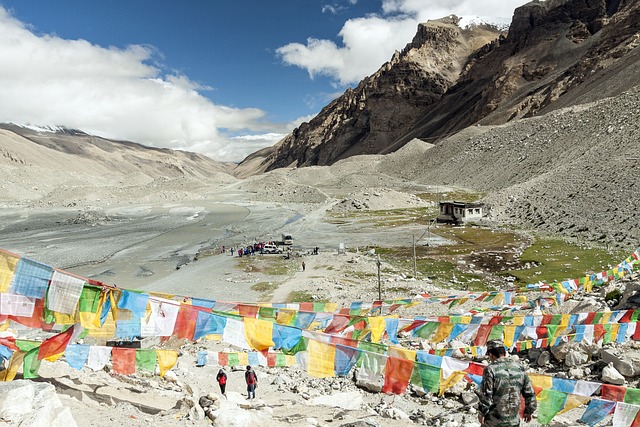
{"x":597,"y":410}
{"x":77,"y":355}
{"x":397,"y":374}
{"x":64,"y":292}
{"x":7,"y":268}
{"x":31,"y":278}
{"x":124,"y":360}
{"x":258,"y":333}
{"x":56,"y":344}
{"x":146,"y":359}
{"x":321,"y":359}
{"x":550,"y":402}
{"x":134,"y":301}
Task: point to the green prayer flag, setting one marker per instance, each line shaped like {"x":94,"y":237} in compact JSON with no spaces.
{"x":607,"y":334}
{"x":300,"y":346}
{"x":632,"y":396}
{"x":31,"y":364}
{"x":372,"y":347}
{"x":27,"y":345}
{"x":496,"y":333}
{"x":549,"y":403}
{"x":597,"y":318}
{"x":426,"y":376}
{"x":233,"y":360}
{"x":89,"y":299}
{"x":281,"y":359}
{"x":267,"y":313}
{"x":146,"y":360}
{"x":427,"y":330}
{"x":318,"y":307}
{"x":551,"y":332}
{"x":634,"y":316}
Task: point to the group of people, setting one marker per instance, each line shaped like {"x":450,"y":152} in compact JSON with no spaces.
{"x":250,"y":378}
{"x":504,"y":382}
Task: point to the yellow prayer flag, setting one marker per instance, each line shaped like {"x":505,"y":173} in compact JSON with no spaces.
{"x":330,"y":307}
{"x":453,"y":379}
{"x":107,"y":330}
{"x":284,"y":317}
{"x":54,"y":357}
{"x":7,"y":268}
{"x":290,"y":360}
{"x":259,"y":333}
{"x":544,"y":382}
{"x":497,"y":300}
{"x":518,"y":320}
{"x":243,"y":358}
{"x":321,"y":358}
{"x":12,"y":367}
{"x":401,"y":353}
{"x":573,"y":401}
{"x":4,"y":326}
{"x":161,"y":295}
{"x":605,"y":317}
{"x":64,"y":319}
{"x":442,"y":333}
{"x":465,"y":319}
{"x":166,"y":360}
{"x":377,"y":326}
{"x":509,"y":334}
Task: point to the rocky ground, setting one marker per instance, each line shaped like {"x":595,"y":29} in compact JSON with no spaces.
{"x":570,"y":173}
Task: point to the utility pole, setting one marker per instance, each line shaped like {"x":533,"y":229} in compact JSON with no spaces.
{"x":415,"y":263}
{"x":379,"y":285}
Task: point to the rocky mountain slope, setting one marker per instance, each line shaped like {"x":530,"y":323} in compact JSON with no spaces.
{"x":77,"y":165}
{"x":556,"y":54}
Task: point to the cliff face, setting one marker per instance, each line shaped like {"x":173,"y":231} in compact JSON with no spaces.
{"x":557,"y":53}
{"x":368,"y":118}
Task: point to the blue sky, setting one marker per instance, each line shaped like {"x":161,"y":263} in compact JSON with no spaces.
{"x":222,"y":78}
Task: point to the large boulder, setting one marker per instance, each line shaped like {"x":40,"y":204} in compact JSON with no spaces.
{"x":29,"y":404}
{"x":350,"y":400}
{"x":627,"y":362}
{"x":611,"y":376}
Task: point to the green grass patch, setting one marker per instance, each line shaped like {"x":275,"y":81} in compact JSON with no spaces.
{"x":272,"y":265}
{"x":556,"y":260}
{"x":385,"y":218}
{"x":468,"y":239}
{"x":264,"y":287}
{"x":303,"y":296}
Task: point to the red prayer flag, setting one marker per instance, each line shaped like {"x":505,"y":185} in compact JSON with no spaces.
{"x":223,"y":359}
{"x":598,"y":332}
{"x":614,"y":393}
{"x":338,"y":324}
{"x":397,"y":375}
{"x":185,"y":325}
{"x":124,"y":360}
{"x":248,"y":310}
{"x":271,"y":359}
{"x":589,"y":319}
{"x":482,"y":335}
{"x":56,"y":344}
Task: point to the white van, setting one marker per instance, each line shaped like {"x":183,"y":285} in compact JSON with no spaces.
{"x":271,"y":249}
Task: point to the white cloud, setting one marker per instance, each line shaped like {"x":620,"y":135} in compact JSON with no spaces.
{"x":369,"y":42}
{"x":115,"y":93}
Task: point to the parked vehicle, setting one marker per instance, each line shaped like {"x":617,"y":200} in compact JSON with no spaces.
{"x":287,"y":239}
{"x":271,"y":249}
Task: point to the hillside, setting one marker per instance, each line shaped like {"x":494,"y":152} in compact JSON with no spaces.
{"x":556,"y":54}
{"x":69,"y":168}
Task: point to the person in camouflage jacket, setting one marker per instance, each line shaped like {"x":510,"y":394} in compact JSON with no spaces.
{"x":503,"y":382}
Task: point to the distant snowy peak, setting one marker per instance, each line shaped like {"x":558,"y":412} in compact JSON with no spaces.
{"x":48,"y":128}
{"x":468,"y":21}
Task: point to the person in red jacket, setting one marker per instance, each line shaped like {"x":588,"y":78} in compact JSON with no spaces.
{"x":252,"y":382}
{"x":222,"y":381}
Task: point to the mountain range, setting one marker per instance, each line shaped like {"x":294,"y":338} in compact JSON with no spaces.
{"x":543,"y":121}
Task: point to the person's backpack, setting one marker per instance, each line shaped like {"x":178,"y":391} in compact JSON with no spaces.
{"x":222,"y":378}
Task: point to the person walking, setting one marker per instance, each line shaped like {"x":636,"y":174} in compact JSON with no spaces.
{"x":303,"y":266}
{"x":222,"y":381}
{"x":503,"y":382}
{"x":252,"y":382}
